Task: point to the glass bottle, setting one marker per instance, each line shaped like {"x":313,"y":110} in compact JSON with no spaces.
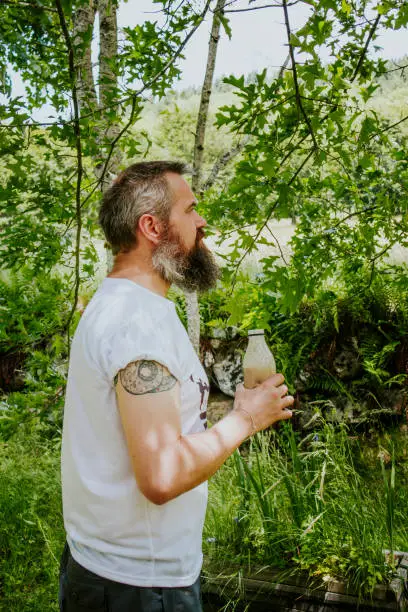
{"x":259,"y":363}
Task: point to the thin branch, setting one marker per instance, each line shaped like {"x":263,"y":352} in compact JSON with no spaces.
{"x":230,"y":3}
{"x":364,"y":51}
{"x":354,"y":214}
{"x":327,"y":103}
{"x":381,"y":253}
{"x":284,"y":66}
{"x":235,"y":229}
{"x":295,"y":77}
{"x":116,"y":140}
{"x":395,"y":69}
{"x":78,"y":146}
{"x":257,"y":8}
{"x":277,"y":242}
{"x":221,"y":162}
{"x":294,"y":148}
{"x":389,"y":127}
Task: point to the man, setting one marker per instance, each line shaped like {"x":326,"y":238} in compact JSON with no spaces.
{"x":136,"y":455}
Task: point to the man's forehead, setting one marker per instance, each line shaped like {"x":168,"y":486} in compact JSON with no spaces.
{"x":181,"y":190}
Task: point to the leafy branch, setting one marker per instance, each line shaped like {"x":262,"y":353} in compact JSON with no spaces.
{"x":272,"y":208}
{"x":365,"y":48}
{"x":134,"y":97}
{"x":128,"y":98}
{"x":295,"y":76}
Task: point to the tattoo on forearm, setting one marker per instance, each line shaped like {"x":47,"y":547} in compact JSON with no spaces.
{"x":141,"y":377}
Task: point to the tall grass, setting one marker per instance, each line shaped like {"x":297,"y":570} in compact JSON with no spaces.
{"x":308,"y":508}
{"x":31,"y":527}
{"x":324,"y":505}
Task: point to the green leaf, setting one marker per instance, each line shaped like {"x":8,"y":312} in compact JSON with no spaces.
{"x":368,"y":128}
{"x":294,"y":41}
{"x":226,"y":25}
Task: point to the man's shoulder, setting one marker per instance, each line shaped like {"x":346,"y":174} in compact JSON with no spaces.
{"x":117,"y":306}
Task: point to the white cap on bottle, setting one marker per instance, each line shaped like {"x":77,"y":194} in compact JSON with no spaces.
{"x":256,"y":332}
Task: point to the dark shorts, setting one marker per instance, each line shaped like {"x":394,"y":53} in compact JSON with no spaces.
{"x":84,"y":591}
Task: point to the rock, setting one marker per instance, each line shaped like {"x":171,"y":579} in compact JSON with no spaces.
{"x":225,"y":333}
{"x":335,"y":409}
{"x":208,"y":359}
{"x":346,"y":364}
{"x":228,"y":372}
{"x":222,"y":358}
{"x":304,"y":381}
{"x":395,"y":400}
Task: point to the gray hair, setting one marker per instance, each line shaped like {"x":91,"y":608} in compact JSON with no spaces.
{"x":140,"y":189}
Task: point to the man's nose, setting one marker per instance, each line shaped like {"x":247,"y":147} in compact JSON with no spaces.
{"x":201,"y":222}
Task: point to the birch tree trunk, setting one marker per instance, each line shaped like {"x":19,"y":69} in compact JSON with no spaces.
{"x":90,"y":103}
{"x":193,"y":319}
{"x":84,"y":20}
{"x":205,"y":97}
{"x":108,"y":80}
{"x":192,"y":307}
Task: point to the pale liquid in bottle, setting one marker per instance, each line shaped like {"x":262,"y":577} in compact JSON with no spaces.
{"x":259,"y":363}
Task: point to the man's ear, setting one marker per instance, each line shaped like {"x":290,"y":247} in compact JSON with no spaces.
{"x":150,"y":227}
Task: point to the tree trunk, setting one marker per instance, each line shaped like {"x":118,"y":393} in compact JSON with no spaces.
{"x":205,"y":97}
{"x":108,"y":82}
{"x":106,"y":130}
{"x":108,"y":39}
{"x":193,"y":311}
{"x":84,"y":20}
{"x":193,"y":319}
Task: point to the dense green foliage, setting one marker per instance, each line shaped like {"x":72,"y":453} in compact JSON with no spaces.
{"x":322,"y":141}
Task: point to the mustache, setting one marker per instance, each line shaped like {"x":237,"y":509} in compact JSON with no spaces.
{"x":200,"y":234}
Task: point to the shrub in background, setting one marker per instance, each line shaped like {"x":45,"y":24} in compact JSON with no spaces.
{"x":33,"y":350}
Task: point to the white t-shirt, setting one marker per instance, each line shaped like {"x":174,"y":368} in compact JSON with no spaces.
{"x":112,"y":528}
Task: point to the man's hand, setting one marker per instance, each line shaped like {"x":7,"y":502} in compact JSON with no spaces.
{"x":265,"y":404}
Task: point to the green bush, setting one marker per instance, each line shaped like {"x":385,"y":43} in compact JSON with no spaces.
{"x":33,"y":308}
{"x":370,"y":317}
{"x":33,"y":350}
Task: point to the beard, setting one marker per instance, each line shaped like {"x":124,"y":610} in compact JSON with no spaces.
{"x":192,"y":269}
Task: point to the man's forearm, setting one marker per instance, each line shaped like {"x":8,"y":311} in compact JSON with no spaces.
{"x":196,"y":457}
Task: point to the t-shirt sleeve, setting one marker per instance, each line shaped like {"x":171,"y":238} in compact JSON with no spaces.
{"x":142,"y":339}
